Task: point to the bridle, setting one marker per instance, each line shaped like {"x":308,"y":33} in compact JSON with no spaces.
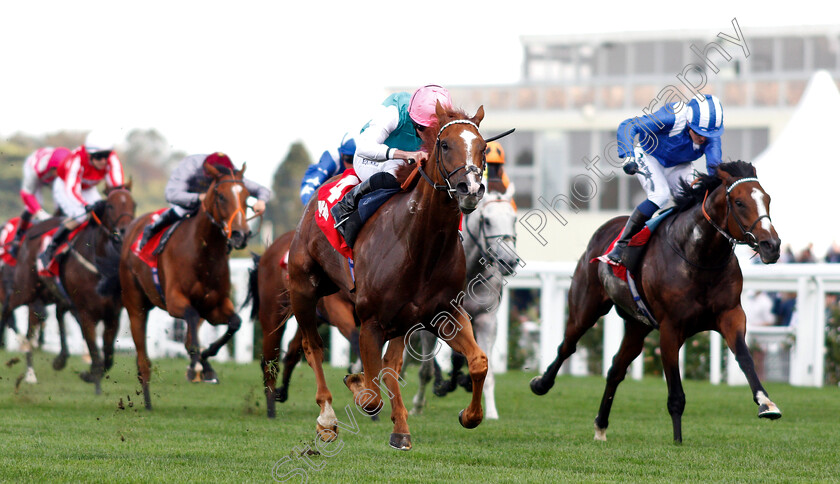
{"x":226,"y":226}
{"x":749,"y":238}
{"x":482,"y":234}
{"x":468,"y":168}
{"x":112,"y":231}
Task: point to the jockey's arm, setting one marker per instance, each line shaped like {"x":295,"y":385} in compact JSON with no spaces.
{"x":115,"y":176}
{"x":370,"y":143}
{"x":178,"y":187}
{"x":261,"y":193}
{"x":316,"y":175}
{"x":646,"y":128}
{"x":713,"y":155}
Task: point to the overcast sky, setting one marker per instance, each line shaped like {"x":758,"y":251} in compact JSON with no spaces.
{"x":252,"y":77}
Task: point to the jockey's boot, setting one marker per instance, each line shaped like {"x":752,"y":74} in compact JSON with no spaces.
{"x":14,"y":248}
{"x":166,"y":218}
{"x":634,"y":224}
{"x":347,"y":205}
{"x":58,"y":239}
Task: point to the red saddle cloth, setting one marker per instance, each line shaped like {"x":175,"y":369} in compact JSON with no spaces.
{"x":638,"y":240}
{"x":7,"y":235}
{"x":328,"y":195}
{"x":147,"y":254}
{"x":52,"y":268}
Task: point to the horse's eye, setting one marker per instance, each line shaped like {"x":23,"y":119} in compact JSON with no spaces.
{"x":487,"y":222}
{"x":444,"y":145}
{"x":222,"y":198}
{"x":739,"y":204}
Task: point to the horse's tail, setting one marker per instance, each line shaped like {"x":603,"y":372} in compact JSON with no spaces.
{"x":109,"y":270}
{"x":253,"y":288}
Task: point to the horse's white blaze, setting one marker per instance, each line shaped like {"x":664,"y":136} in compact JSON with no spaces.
{"x":472,"y":178}
{"x":237,"y":189}
{"x":327,"y":417}
{"x":758,"y":196}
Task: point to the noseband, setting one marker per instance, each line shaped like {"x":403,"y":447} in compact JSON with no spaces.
{"x":111,"y":231}
{"x":749,"y":238}
{"x":469,"y":168}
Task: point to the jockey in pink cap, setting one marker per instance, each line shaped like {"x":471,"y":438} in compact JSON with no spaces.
{"x":387,"y":142}
{"x":39,"y":171}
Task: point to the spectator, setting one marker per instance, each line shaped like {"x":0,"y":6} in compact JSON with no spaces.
{"x":787,"y":255}
{"x":784,"y":306}
{"x":833,"y":255}
{"x":807,"y":255}
{"x":758,"y":307}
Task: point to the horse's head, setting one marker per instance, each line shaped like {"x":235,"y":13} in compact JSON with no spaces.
{"x":119,"y":209}
{"x":225,"y":202}
{"x":749,"y":221}
{"x":458,"y":156}
{"x":493,"y":229}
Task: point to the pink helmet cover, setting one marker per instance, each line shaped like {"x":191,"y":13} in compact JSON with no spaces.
{"x":423,"y":102}
{"x":58,"y":155}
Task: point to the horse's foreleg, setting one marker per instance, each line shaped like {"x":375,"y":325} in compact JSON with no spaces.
{"x":631,"y":346}
{"x":192,"y":318}
{"x":138,"y":317}
{"x":733,"y":328}
{"x":365,"y":389}
{"x":426,"y":372}
{"x":272,"y":338}
{"x":112,"y":325}
{"x":669,"y":344}
{"x":586,"y":305}
{"x":290,"y":360}
{"x":463,"y":342}
{"x":233,"y":325}
{"x":303,"y":305}
{"x":28,"y":346}
{"x":97,"y":368}
{"x":60,"y":360}
{"x":485,"y":335}
{"x":390,"y":376}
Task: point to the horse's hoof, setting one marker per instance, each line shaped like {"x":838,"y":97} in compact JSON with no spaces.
{"x":400,"y":441}
{"x":537,"y":386}
{"x":30,"y":376}
{"x":374,"y":417}
{"x":326,"y":434}
{"x":444,"y":388}
{"x":87,"y":377}
{"x":768,"y":411}
{"x":600,"y":434}
{"x":465,"y":382}
{"x":193,"y":376}
{"x":281,"y":394}
{"x":209,"y":377}
{"x":59,"y":362}
{"x":468,"y":425}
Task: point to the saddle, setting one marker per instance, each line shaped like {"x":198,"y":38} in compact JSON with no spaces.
{"x":52,"y":268}
{"x":7,"y":235}
{"x":632,"y":258}
{"x":155,"y":245}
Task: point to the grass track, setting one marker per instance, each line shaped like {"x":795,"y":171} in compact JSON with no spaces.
{"x":59,"y":431}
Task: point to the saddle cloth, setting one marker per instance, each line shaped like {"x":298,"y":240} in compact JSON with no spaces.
{"x":155,"y":245}
{"x":52,"y":268}
{"x":7,"y":235}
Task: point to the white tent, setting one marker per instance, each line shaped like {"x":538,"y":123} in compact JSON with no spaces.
{"x":801,"y":170}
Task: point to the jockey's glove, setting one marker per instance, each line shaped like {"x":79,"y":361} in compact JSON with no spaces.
{"x":93,"y":206}
{"x":630,"y":166}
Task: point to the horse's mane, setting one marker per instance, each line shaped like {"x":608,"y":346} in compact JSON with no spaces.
{"x":690,"y":194}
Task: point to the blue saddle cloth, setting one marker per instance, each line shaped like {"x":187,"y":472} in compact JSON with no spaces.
{"x":371,"y":202}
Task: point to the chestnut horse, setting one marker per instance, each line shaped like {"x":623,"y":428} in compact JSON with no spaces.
{"x":690,"y":280}
{"x":409,"y":270}
{"x":193,"y":273}
{"x":268,"y":287}
{"x":75,"y":287}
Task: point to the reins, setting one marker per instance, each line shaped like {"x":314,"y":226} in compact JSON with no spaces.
{"x":226,"y":227}
{"x":749,"y":238}
{"x":469,"y":168}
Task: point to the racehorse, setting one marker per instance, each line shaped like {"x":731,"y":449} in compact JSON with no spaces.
{"x":689,"y":278}
{"x":193,"y":273}
{"x":409,"y":268}
{"x":268,"y":287}
{"x":75,"y":287}
{"x":489,"y":245}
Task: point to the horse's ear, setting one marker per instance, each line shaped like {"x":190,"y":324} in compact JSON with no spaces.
{"x":212,"y":170}
{"x":441,"y":113}
{"x":726,"y":177}
{"x":479,"y":115}
{"x":128,"y":184}
{"x":241,"y":172}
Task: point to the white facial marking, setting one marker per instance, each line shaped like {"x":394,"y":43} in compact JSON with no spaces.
{"x":758,"y":196}
{"x":237,"y":189}
{"x":696,"y":234}
{"x":472,"y":178}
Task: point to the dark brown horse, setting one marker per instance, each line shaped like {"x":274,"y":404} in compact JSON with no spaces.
{"x":269,"y":289}
{"x":410,"y":268}
{"x":690,"y":280}
{"x":75,"y":287}
{"x":193,"y":273}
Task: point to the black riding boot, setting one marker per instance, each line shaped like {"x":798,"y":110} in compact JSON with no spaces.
{"x":58,"y":239}
{"x":344,"y":212}
{"x":166,"y":218}
{"x":634,"y":224}
{"x":25,"y":217}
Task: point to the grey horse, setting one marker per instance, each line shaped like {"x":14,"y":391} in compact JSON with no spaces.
{"x":489,"y":239}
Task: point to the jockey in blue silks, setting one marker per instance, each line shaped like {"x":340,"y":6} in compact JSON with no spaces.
{"x":669,"y":140}
{"x":332,"y":162}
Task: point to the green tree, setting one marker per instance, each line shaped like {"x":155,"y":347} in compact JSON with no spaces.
{"x":284,"y":209}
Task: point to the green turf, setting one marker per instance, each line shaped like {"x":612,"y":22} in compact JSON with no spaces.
{"x":58,"y":430}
